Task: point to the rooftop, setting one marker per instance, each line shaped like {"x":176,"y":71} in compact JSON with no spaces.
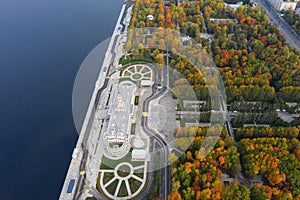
{"x":120,"y":105}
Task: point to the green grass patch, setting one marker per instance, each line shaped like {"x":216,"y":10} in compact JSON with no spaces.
{"x":139,"y":173}
{"x":107,"y":176}
{"x":107,"y":163}
{"x":146,"y":69}
{"x":123,"y":171}
{"x":123,"y":191}
{"x":132,"y":130}
{"x":134,"y":185}
{"x":122,"y":70}
{"x":138,"y":67}
{"x":136,"y":100}
{"x":131,"y":59}
{"x":112,"y":187}
{"x":91,"y":198}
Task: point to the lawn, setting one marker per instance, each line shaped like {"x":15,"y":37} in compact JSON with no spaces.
{"x":107,"y":163}
{"x":132,"y":131}
{"x":136,"y":100}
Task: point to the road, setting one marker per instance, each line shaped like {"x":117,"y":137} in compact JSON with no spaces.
{"x":274,"y":16}
{"x":165,"y":174}
{"x":165,"y":171}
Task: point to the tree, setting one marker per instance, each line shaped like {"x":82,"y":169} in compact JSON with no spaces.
{"x":159,"y":58}
{"x":188,"y":194}
{"x":174,"y":196}
{"x":236,"y":192}
{"x":229,"y":141}
{"x":234,"y":165}
{"x":175,"y":185}
{"x":189,"y":155}
{"x":285,"y":196}
{"x":260,"y":193}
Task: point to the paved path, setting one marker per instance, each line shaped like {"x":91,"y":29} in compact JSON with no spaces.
{"x":124,"y":179}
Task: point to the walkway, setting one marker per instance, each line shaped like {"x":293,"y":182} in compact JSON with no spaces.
{"x":123,"y":174}
{"x":138,"y":72}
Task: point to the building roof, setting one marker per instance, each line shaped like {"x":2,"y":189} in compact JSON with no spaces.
{"x":119,"y":110}
{"x":234,"y":6}
{"x":146,"y":83}
{"x":138,"y":154}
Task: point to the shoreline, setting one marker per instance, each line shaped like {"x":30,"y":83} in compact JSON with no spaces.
{"x":79,"y":153}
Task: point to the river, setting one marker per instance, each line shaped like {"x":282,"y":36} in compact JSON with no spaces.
{"x":42,"y":46}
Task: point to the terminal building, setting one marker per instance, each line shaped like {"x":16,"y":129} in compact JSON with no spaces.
{"x":120,"y":112}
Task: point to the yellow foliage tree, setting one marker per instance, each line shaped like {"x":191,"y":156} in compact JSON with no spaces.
{"x":189,"y":155}
{"x":174,"y":196}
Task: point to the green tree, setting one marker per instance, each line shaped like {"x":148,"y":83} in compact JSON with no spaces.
{"x":259,"y":193}
{"x":236,"y":192}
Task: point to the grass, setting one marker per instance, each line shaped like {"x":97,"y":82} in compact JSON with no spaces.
{"x":139,"y":173}
{"x":145,"y":70}
{"x":157,"y":160}
{"x":134,"y":185}
{"x":91,"y":198}
{"x":123,"y":191}
{"x":136,"y":100}
{"x":121,"y":71}
{"x":132,"y":130}
{"x":112,"y":187}
{"x":137,"y":76}
{"x":111,"y":164}
{"x":138,"y":67}
{"x":107,"y":176}
{"x":124,"y":171}
{"x":131,"y":59}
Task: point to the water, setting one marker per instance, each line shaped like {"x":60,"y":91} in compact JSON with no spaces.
{"x":42,"y":46}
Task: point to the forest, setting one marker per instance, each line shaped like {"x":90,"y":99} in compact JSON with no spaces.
{"x":260,"y":72}
{"x":250,"y":53}
{"x":293,"y":19}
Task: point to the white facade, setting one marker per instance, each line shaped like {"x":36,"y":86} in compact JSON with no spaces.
{"x":122,"y":98}
{"x":288,"y":6}
{"x":234,"y":6}
{"x":283,"y":5}
{"x":139,"y":154}
{"x":145,"y":83}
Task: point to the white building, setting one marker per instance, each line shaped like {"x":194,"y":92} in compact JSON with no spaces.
{"x":120,"y":111}
{"x":146,"y":83}
{"x":284,"y":4}
{"x":138,"y":154}
{"x":233,"y":6}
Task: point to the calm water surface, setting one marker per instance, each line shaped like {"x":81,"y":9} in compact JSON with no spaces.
{"x":42,"y":44}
